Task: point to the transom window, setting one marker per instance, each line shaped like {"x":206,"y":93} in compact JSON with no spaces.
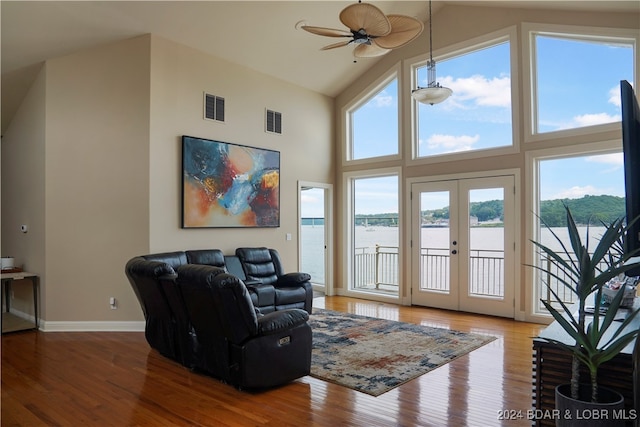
{"x":576,"y":80}
{"x":374,"y":124}
{"x":478,"y":114}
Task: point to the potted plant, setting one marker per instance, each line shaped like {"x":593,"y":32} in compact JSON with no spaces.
{"x":584,"y":274}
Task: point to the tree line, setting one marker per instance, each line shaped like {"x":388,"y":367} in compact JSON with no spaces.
{"x":592,"y":210}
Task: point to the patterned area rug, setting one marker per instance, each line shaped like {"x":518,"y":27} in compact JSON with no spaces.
{"x":375,"y":355}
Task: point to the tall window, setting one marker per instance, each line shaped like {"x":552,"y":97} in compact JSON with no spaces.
{"x":374,"y":124}
{"x":577,"y":79}
{"x":478,"y":114}
{"x":375,"y":235}
{"x":593,"y":188}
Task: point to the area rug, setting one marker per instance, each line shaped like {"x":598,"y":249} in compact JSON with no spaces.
{"x":373,"y":355}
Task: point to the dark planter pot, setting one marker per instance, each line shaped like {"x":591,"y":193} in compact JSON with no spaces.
{"x":609,"y":412}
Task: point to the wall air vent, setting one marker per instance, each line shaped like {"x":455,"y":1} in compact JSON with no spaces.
{"x":274,"y":122}
{"x":213,"y":107}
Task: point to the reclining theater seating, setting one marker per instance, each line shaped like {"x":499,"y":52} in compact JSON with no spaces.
{"x":168,"y":324}
{"x":241,"y":346}
{"x":262,"y":265}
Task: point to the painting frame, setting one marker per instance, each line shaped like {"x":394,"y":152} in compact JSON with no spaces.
{"x":227,"y":185}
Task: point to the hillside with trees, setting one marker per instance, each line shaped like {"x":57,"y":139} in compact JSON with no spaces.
{"x":586,"y":210}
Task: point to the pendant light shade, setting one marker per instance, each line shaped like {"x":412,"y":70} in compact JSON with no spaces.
{"x":433,"y":93}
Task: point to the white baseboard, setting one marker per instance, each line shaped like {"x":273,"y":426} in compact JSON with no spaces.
{"x":83,"y":326}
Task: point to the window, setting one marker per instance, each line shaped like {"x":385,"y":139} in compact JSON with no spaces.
{"x":478,"y":115}
{"x":576,"y":79}
{"x":374,"y":123}
{"x":592,"y":185}
{"x":374,"y":233}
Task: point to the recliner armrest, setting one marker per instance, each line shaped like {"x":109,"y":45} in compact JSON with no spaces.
{"x":281,"y":320}
{"x":292,"y":280}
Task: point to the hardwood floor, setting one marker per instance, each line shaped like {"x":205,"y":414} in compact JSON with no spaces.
{"x":115,"y":379}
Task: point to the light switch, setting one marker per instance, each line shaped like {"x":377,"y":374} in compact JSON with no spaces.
{"x":288,"y":236}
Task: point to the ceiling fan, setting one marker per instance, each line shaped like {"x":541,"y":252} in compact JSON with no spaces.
{"x":370,"y":30}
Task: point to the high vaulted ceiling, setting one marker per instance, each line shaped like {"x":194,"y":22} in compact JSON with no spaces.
{"x":261,"y":35}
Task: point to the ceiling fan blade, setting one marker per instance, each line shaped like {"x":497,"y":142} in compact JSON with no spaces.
{"x":369,"y":50}
{"x":335,"y":45}
{"x":404,"y":29}
{"x":367,"y":17}
{"x":329,"y":32}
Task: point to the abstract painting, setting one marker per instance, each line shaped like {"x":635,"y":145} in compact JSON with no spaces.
{"x":229,"y":185}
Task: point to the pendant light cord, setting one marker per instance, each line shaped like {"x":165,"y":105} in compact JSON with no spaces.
{"x":430,"y":35}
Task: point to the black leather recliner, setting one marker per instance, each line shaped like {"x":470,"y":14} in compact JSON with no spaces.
{"x":167,"y":326}
{"x":263,"y":296}
{"x":239,"y":345}
{"x":292,"y":290}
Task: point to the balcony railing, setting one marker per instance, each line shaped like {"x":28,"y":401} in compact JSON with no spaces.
{"x":376,"y":268}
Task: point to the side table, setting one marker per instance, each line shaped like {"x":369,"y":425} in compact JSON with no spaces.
{"x":11,"y":322}
{"x":552,"y":367}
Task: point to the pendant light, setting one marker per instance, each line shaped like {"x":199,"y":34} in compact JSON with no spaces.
{"x":433,"y":93}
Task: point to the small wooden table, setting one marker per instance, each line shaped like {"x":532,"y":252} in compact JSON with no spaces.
{"x":11,"y":322}
{"x":552,"y":366}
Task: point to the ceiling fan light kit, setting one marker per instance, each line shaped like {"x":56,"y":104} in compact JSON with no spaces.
{"x":371,"y":31}
{"x":433,"y":93}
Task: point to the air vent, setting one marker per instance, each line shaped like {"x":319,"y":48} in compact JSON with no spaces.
{"x":213,"y":107}
{"x":274,"y":122}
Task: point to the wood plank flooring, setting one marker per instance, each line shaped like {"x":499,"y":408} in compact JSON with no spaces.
{"x":115,"y":379}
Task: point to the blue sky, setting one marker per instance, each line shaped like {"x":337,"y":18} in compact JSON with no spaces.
{"x":578,"y":85}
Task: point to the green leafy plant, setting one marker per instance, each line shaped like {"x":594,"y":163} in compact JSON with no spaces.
{"x":584,"y":274}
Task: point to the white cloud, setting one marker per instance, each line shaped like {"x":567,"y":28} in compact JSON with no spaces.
{"x":578,"y":192}
{"x":382,"y":100}
{"x":615,"y":159}
{"x":494,"y":92}
{"x":614,"y":96}
{"x":451,"y":143}
{"x":594,"y":119}
{"x":584,"y":120}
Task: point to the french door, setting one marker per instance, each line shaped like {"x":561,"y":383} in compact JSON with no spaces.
{"x":463,"y":247}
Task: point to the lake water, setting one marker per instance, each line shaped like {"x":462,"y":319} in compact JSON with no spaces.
{"x":481,"y":238}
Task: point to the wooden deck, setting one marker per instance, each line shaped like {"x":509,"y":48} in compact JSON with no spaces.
{"x":115,"y":379}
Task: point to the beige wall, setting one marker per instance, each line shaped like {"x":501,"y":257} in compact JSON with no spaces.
{"x":454,"y":24}
{"x":179,"y":76}
{"x":97,"y":179}
{"x":23,"y":181}
{"x":92,"y":163}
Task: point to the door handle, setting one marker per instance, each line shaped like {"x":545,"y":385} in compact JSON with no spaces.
{"x":454,"y":252}
{"x":455,"y":242}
